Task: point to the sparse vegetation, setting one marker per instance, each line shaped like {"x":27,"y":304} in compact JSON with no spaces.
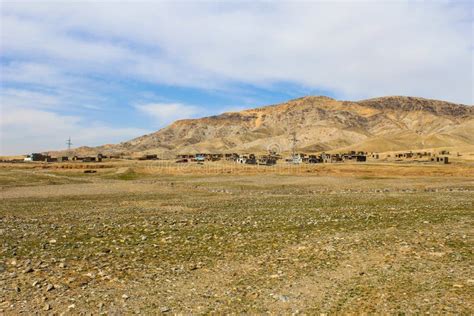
{"x":264,"y":243}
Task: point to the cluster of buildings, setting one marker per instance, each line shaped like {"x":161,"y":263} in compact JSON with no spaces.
{"x":271,"y":159}
{"x":42,"y":157}
{"x":47,"y":158}
{"x":440,"y":157}
{"x":183,"y":158}
{"x":97,"y":158}
{"x":266,"y":159}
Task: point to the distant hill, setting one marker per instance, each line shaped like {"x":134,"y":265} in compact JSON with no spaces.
{"x":321,"y":124}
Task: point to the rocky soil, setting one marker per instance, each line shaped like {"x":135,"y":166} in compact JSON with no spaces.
{"x":199,"y":244}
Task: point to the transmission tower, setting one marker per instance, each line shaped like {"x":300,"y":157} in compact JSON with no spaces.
{"x":69,"y":143}
{"x":293,"y":140}
{"x":291,"y":128}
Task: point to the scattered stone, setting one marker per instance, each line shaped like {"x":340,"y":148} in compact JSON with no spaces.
{"x":318,"y":248}
{"x":28,"y":270}
{"x":196,"y":266}
{"x":283,"y":298}
{"x":165,"y":309}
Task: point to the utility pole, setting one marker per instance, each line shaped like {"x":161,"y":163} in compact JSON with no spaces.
{"x":69,"y":144}
{"x":293,"y":140}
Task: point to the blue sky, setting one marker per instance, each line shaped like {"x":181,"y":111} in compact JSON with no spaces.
{"x":110,"y":71}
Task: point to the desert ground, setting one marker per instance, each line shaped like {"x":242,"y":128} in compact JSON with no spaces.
{"x":150,"y":237}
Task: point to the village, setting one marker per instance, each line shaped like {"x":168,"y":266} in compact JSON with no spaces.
{"x":273,"y":158}
{"x":267,"y":159}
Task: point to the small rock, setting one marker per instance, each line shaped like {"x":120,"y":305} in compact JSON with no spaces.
{"x":46,"y":307}
{"x":62,"y":265}
{"x":195,"y":266}
{"x":165,"y":309}
{"x":72,"y":306}
{"x":50,"y":287}
{"x":125,"y":297}
{"x":52,"y":241}
{"x":283,"y":298}
{"x":28,"y":270}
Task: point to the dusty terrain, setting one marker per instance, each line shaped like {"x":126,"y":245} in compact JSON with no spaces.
{"x":147,"y":238}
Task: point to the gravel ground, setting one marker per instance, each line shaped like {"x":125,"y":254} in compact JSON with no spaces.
{"x":198,"y":244}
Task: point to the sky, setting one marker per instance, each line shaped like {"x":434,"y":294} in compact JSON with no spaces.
{"x":108,"y":71}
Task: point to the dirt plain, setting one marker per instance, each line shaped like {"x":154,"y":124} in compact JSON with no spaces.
{"x":148,"y":238}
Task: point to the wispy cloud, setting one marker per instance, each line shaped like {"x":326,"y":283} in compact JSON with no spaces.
{"x":164,"y":113}
{"x":21,"y":98}
{"x":24,"y":130}
{"x":354,"y":48}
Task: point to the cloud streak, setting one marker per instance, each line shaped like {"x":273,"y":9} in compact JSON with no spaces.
{"x":355,"y":48}
{"x":24,"y":130}
{"x":165,"y":113}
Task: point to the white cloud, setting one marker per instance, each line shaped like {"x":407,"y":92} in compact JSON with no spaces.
{"x":164,"y":113}
{"x":356,"y":49}
{"x":47,"y":85}
{"x":32,"y":121}
{"x":19,"y":98}
{"x":24,"y":130}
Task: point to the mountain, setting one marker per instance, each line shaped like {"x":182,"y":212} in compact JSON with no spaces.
{"x":320,"y":124}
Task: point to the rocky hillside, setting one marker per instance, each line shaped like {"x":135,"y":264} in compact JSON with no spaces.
{"x":320,"y":123}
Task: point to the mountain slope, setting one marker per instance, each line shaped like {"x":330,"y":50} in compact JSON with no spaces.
{"x":321,"y":123}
